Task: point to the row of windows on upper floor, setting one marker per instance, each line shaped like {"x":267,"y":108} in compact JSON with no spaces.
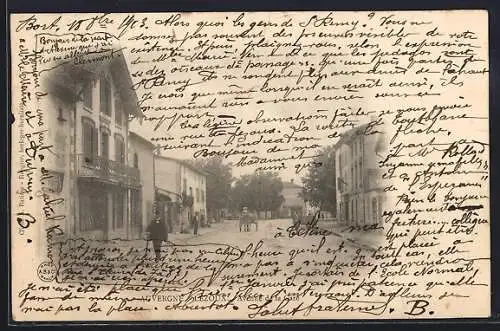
{"x":355,"y":151}
{"x":95,"y":143}
{"x":197,"y":178}
{"x":199,"y":193}
{"x":352,"y":178}
{"x":105,"y":100}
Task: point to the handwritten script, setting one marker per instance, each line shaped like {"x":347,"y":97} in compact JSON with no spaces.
{"x":356,"y":146}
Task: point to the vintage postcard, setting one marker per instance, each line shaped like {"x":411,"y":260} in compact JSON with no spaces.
{"x":250,"y":166}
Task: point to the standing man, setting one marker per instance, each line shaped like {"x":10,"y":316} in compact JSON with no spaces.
{"x":157,"y":232}
{"x":196,"y":223}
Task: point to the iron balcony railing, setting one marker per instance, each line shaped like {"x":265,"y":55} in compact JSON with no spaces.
{"x":102,"y":168}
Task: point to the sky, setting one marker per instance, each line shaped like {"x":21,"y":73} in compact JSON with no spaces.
{"x":244,"y":113}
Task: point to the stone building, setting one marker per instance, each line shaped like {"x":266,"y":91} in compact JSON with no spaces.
{"x":360,"y":195}
{"x":181,"y":189}
{"x":88,"y":108}
{"x":141,"y":157}
{"x":292,"y":200}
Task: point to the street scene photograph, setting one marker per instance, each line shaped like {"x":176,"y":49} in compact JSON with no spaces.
{"x":250,"y":166}
{"x":127,"y":187}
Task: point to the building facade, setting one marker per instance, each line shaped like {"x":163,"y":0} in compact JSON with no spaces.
{"x":181,"y":190}
{"x":90,"y":107}
{"x":141,"y":157}
{"x":360,"y":194}
{"x":292,"y":200}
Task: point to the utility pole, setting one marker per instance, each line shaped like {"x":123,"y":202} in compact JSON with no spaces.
{"x":155,"y":196}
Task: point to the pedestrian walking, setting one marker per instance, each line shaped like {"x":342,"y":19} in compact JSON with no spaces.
{"x":157,"y":232}
{"x":196,"y":223}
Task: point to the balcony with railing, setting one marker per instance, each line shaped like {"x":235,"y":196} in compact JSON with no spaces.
{"x":108,"y":170}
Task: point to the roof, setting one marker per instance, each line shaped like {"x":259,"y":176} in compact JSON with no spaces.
{"x":349,"y":135}
{"x":145,"y":141}
{"x":167,"y":193}
{"x":194,"y":167}
{"x":186,"y":163}
{"x":64,"y":78}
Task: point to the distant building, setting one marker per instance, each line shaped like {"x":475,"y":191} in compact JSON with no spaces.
{"x":141,"y":157}
{"x":360,"y":194}
{"x":181,"y":189}
{"x":293,"y":202}
{"x":88,"y":109}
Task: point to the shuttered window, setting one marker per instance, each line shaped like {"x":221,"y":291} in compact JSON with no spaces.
{"x":104,"y":143}
{"x":87,"y":95}
{"x":89,"y":140}
{"x":119,"y":149}
{"x":105,"y":96}
{"x":136,"y":161}
{"x":118,"y":112}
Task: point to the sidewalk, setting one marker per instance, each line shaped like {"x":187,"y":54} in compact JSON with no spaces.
{"x":369,"y":240}
{"x":183,"y":237}
{"x":176,"y":238}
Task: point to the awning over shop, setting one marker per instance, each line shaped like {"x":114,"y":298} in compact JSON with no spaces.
{"x":167,"y":195}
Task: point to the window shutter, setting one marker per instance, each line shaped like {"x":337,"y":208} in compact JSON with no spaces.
{"x":87,"y":95}
{"x":105,"y":96}
{"x":117,"y":149}
{"x":102,"y":98}
{"x":105,"y":145}
{"x":95,"y":148}
{"x":122,"y":151}
{"x":85,"y":141}
{"x":117,"y":143}
{"x":118,"y":111}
